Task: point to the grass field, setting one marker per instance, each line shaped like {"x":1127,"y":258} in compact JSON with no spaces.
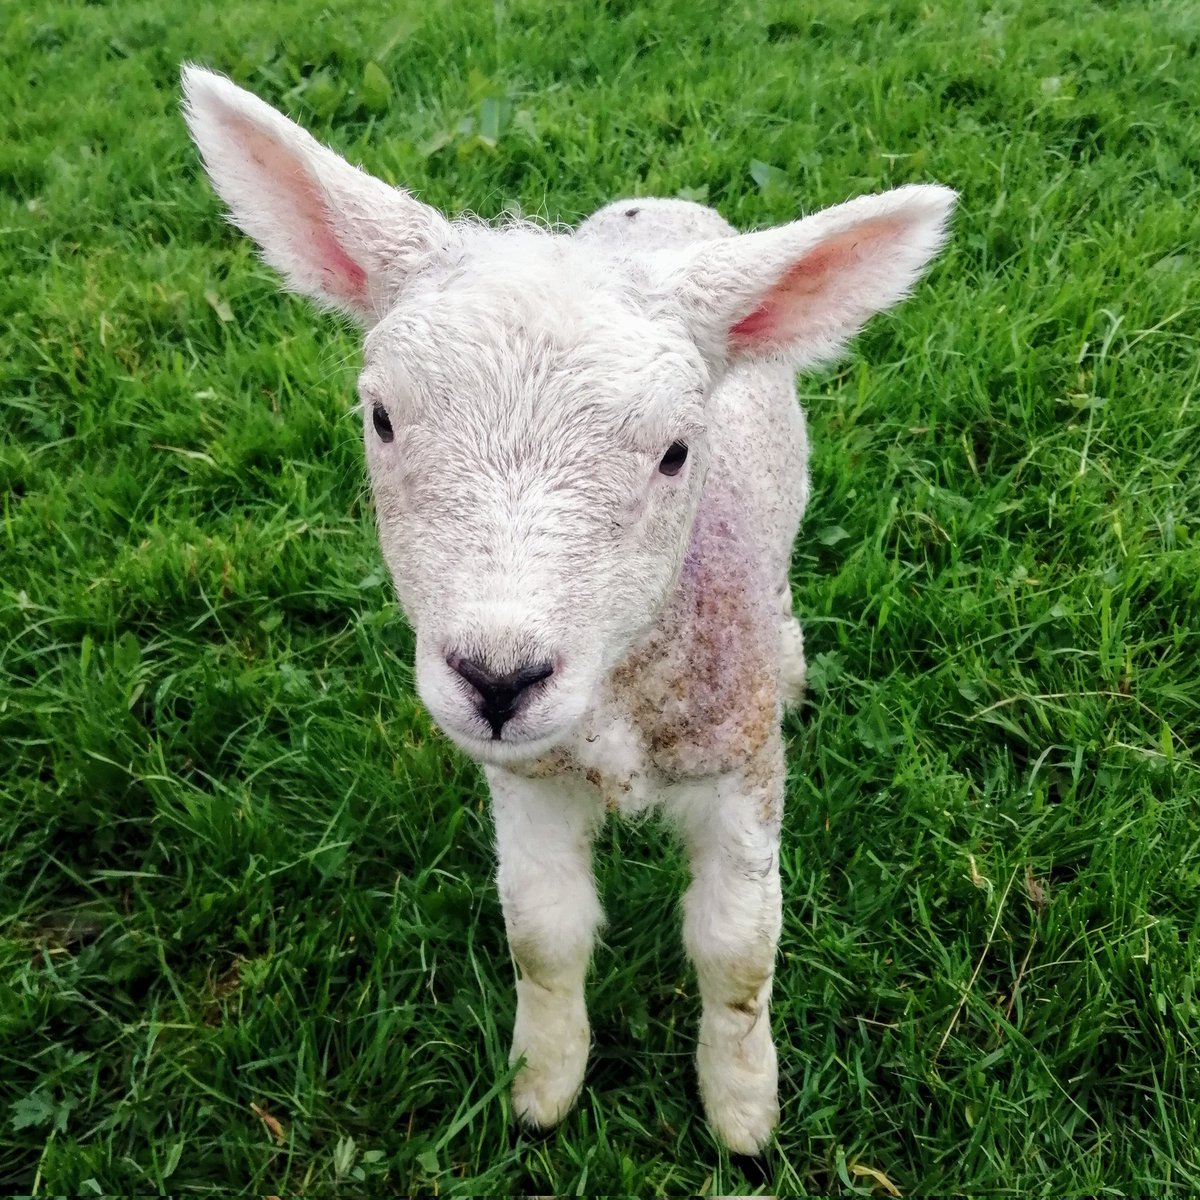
{"x":249,"y":939}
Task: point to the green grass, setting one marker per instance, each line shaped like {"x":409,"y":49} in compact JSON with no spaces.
{"x":239,"y":867}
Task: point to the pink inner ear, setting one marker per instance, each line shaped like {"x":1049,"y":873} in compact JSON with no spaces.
{"x":811,"y":289}
{"x":288,"y":189}
{"x":344,"y":275}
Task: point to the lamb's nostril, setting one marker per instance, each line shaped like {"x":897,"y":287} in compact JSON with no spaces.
{"x":499,"y":695}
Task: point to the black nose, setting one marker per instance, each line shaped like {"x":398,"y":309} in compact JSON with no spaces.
{"x":499,"y":694}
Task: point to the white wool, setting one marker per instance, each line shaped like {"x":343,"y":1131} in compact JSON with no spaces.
{"x":532,"y":382}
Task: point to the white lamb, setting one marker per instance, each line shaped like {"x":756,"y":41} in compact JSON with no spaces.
{"x":589,"y":467}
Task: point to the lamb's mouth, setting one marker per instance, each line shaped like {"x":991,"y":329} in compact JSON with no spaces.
{"x":488,"y":749}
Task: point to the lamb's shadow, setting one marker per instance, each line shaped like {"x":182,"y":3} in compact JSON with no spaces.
{"x":642,"y":989}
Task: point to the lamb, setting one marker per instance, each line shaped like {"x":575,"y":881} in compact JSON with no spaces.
{"x":589,"y":467}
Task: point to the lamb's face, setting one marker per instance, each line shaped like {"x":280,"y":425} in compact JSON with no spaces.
{"x":536,"y":451}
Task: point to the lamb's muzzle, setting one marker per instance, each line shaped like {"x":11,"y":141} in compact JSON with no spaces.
{"x":499,"y":695}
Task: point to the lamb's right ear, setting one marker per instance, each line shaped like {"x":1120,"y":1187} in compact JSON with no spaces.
{"x":336,"y":234}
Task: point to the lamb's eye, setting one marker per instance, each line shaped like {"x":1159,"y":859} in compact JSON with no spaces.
{"x":383,"y":426}
{"x":673,"y":460}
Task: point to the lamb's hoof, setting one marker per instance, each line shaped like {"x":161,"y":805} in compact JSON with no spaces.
{"x":740,"y":1090}
{"x":744,"y":1130}
{"x":542,"y":1098}
{"x":551,"y":1034}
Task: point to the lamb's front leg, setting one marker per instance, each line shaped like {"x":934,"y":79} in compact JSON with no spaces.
{"x":544,"y":831}
{"x":732,"y":918}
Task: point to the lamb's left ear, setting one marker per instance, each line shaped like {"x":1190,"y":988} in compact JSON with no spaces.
{"x":803,"y":290}
{"x":335,"y":233}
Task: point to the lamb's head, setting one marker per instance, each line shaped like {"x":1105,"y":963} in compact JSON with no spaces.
{"x":534,"y":405}
{"x":536,"y":447}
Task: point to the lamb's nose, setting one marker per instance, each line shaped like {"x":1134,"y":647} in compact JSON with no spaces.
{"x":499,"y":695}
